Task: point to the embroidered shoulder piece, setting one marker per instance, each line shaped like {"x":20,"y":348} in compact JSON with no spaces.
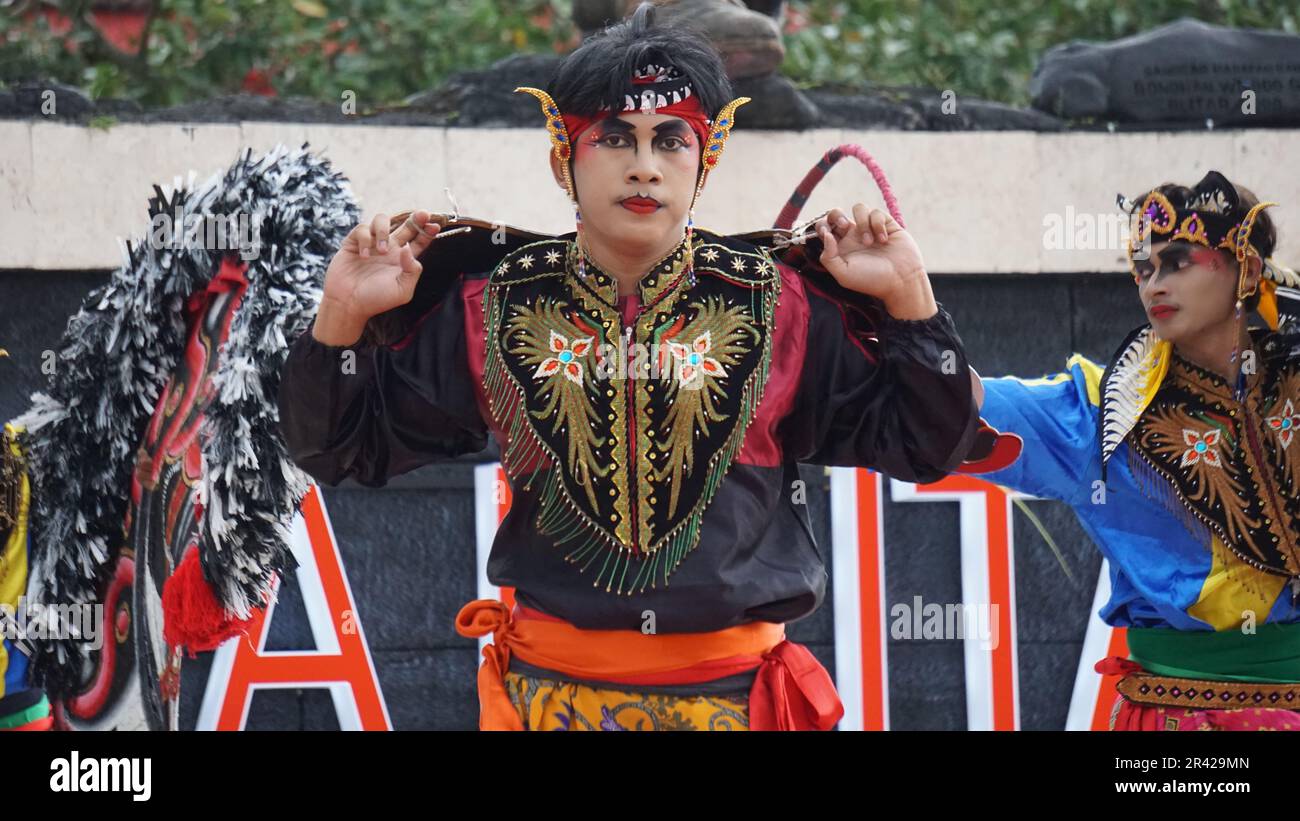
{"x":1128,"y":386}
{"x":1231,"y":466}
{"x":800,"y":249}
{"x":629,"y":429}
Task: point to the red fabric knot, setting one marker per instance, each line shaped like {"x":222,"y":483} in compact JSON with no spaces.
{"x":792,"y":691}
{"x":1117,"y":666}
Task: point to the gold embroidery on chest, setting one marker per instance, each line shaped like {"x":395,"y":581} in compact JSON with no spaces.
{"x":1282,"y":419}
{"x":1229,"y":463}
{"x":564,"y":354}
{"x":629,"y":449}
{"x":714,"y":342}
{"x":1198,"y":446}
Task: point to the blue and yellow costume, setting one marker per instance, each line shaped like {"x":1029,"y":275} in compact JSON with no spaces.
{"x":21,"y":707}
{"x":1166,"y":569}
{"x":1186,"y":483}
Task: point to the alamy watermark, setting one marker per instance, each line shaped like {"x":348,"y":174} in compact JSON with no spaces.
{"x":1079,"y":231}
{"x":72,"y":773}
{"x":210,"y":232}
{"x":951,"y":621}
{"x":34,"y":621}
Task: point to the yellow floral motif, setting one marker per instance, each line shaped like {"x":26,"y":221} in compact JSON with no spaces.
{"x":697,"y":388}
{"x":545,"y":704}
{"x":567,"y":404}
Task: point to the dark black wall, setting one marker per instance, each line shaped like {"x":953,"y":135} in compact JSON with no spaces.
{"x":409,"y":549}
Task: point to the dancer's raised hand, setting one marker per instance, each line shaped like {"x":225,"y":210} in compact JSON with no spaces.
{"x":872,"y":254}
{"x":375,"y":270}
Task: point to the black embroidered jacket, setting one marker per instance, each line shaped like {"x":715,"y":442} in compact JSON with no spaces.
{"x":650,"y":442}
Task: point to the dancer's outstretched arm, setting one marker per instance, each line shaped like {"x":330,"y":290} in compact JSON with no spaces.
{"x":1056,"y":417}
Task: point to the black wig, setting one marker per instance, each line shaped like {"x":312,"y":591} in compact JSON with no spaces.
{"x":599,"y":73}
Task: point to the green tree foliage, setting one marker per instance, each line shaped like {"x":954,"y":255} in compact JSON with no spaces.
{"x":387,"y":50}
{"x":383,"y":50}
{"x":979,"y":48}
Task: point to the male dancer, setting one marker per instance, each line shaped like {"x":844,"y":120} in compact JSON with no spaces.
{"x":655,"y":553}
{"x":1180,"y":460}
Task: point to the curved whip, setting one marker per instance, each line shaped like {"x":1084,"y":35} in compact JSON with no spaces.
{"x":790,"y":212}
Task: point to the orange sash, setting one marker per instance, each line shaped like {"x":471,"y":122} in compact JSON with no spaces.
{"x":791,"y":691}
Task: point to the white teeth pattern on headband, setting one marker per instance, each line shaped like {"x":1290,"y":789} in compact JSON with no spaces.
{"x":651,"y":101}
{"x":678,"y":89}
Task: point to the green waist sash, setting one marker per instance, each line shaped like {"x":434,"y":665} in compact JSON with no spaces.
{"x":26,"y":716}
{"x":1270,"y":655}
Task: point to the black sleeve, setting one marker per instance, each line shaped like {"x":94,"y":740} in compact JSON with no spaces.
{"x":372,"y":411}
{"x":896,"y":397}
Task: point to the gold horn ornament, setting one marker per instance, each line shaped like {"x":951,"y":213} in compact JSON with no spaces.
{"x":1243,"y":250}
{"x":559,"y":134}
{"x":721,"y":131}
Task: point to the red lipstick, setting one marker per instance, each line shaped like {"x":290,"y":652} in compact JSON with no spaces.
{"x":1162,"y":311}
{"x":641,"y":205}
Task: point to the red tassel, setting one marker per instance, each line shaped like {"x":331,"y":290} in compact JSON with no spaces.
{"x":192,"y":616}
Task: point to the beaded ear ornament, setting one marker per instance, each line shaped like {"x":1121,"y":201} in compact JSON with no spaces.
{"x":557,"y":131}
{"x":562,"y":145}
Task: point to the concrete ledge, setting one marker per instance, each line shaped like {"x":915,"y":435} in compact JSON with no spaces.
{"x":978,"y":202}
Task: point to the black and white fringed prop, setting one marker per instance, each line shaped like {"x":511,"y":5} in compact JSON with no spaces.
{"x":115,"y":359}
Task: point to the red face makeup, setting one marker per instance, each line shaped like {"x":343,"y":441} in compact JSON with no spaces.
{"x":1207,"y":257}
